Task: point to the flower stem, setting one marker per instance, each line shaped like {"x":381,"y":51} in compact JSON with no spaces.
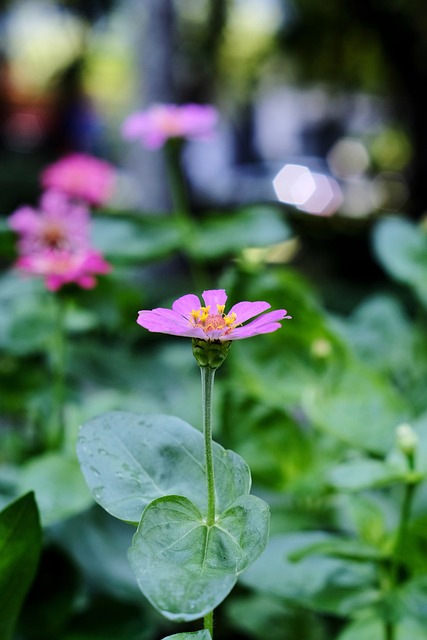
{"x":389,"y":630}
{"x":401,"y":532}
{"x":181,"y":206}
{"x":394,"y":577}
{"x":208,"y":376}
{"x":177,"y":184}
{"x":55,"y":430}
{"x":208,"y":623}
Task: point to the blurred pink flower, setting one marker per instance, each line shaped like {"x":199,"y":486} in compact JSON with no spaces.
{"x":54,"y":242}
{"x":157,"y":124}
{"x":189,"y":319}
{"x":81,"y":176}
{"x":57,"y":224}
{"x":60,"y":267}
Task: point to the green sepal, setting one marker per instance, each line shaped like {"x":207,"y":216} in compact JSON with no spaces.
{"x":210,"y":353}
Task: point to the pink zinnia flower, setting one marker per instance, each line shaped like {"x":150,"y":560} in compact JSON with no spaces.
{"x":161,"y":122}
{"x":82,"y":177}
{"x":57,"y":224}
{"x":54,"y":242}
{"x":59,"y":267}
{"x":188,"y":318}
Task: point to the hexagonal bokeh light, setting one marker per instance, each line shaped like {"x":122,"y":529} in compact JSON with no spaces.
{"x":308,"y":191}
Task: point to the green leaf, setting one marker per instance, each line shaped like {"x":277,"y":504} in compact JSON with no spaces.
{"x":91,"y":537}
{"x":190,"y":635}
{"x":128,"y":460}
{"x":401,"y":247}
{"x":360,"y":474}
{"x":373,"y":629}
{"x":339,"y":548}
{"x":414,"y":597}
{"x":256,"y":226}
{"x":20,"y":544}
{"x":27,"y":325}
{"x":317,"y":582}
{"x":367,"y":515}
{"x":139,"y":238}
{"x":186,"y":568}
{"x":360,"y":408}
{"x":58,"y":484}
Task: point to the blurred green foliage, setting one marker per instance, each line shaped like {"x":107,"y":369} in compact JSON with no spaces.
{"x":312,"y":409}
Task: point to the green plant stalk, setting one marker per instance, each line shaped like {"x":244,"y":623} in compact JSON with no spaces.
{"x":389,"y":631}
{"x":177,"y":186}
{"x":389,"y":625}
{"x":401,"y":532}
{"x":57,"y":357}
{"x":208,"y":623}
{"x":208,"y":376}
{"x":181,"y":208}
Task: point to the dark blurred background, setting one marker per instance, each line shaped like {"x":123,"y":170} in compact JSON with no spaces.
{"x":331,"y":94}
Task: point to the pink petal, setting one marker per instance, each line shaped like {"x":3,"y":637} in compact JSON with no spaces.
{"x":186,"y":304}
{"x":135,"y":125}
{"x":257,"y":325}
{"x":212,"y":297}
{"x":164,"y":318}
{"x":25,"y":220}
{"x":246,"y":310}
{"x":248,"y":331}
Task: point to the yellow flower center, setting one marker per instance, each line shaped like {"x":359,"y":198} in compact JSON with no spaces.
{"x":204,"y":319}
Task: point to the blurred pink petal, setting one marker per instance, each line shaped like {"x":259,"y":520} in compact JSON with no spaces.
{"x":63,"y":267}
{"x":56,"y":224}
{"x":81,"y":176}
{"x":157,"y":124}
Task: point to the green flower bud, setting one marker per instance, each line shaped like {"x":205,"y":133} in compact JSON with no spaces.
{"x":210,"y":353}
{"x":407,"y":439}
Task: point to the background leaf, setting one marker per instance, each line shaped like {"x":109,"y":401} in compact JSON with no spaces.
{"x":320,"y":583}
{"x":59,"y":487}
{"x":139,"y":238}
{"x":401,"y":247}
{"x":255,"y":226}
{"x":364,"y":473}
{"x":20,"y":544}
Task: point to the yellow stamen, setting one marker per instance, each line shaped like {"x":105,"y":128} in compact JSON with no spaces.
{"x":230,"y":319}
{"x":205,"y":313}
{"x":213,"y":322}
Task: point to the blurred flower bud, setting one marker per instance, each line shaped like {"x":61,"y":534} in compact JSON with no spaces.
{"x":407,"y":439}
{"x":321,"y":348}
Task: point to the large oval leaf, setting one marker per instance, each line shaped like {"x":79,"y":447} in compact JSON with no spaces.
{"x":191,"y":635}
{"x":186,"y":568}
{"x":129,"y":460}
